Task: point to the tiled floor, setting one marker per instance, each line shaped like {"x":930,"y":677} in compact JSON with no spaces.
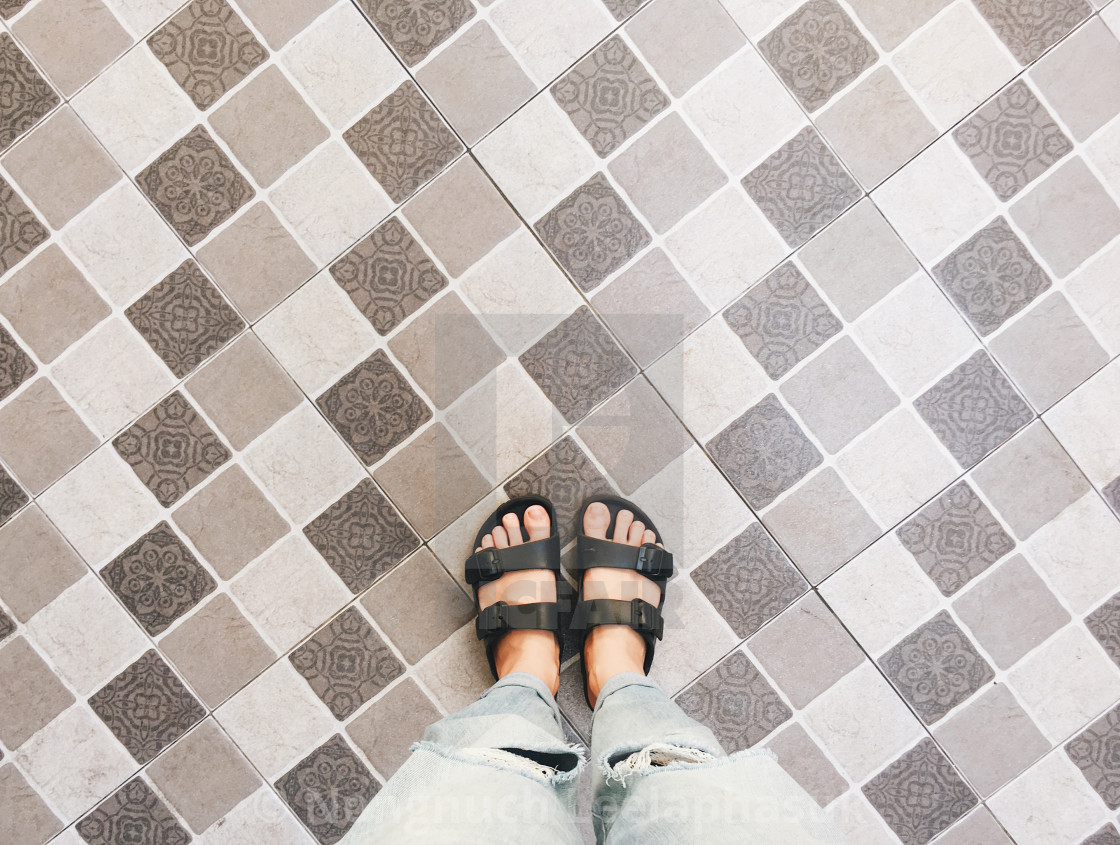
{"x":294,"y":291}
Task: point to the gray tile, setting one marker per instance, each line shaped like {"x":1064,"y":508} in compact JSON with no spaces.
{"x":921,"y":771}
{"x":1104,"y":624}
{"x":936,"y":668}
{"x":764,"y":452}
{"x":32,"y":96}
{"x":1012,"y":140}
{"x":891,"y":23}
{"x":16,"y":366}
{"x":803,"y":760}
{"x":622,"y":9}
{"x":12,"y":496}
{"x":736,"y":702}
{"x":1111,"y":494}
{"x":328,"y":790}
{"x":817,"y":51}
{"x":7,"y":626}
{"x":973,"y":409}
{"x":824,"y":391}
{"x":415,"y":29}
{"x":386,"y":729}
{"x":592,"y":232}
{"x":30,"y":693}
{"x":24,"y":817}
{"x":1107,"y":835}
{"x":134,"y":807}
{"x":991,"y":277}
{"x":1028,"y":27}
{"x":609,"y":96}
{"x":977,"y":828}
{"x":750,"y":581}
{"x":36,"y":564}
{"x":1081,"y":78}
{"x":1094,"y":752}
{"x":954,"y":538}
{"x":782,"y":320}
{"x":27,"y":232}
{"x":577,"y":364}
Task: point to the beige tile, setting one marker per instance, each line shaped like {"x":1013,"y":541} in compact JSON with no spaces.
{"x":1080,"y":78}
{"x":475,"y":82}
{"x":41,"y":436}
{"x":684,"y":40}
{"x":36,"y":563}
{"x":549,"y":37}
{"x":461,"y":216}
{"x":281,"y":20}
{"x":72,"y":39}
{"x":204,"y":776}
{"x":23,"y":815}
{"x":30,"y":694}
{"x":892,"y":23}
{"x":262,"y":817}
{"x":432,"y":480}
{"x":803,"y":759}
{"x":61,"y":167}
{"x":457,"y":672}
{"x":397,"y":719}
{"x":268,"y":125}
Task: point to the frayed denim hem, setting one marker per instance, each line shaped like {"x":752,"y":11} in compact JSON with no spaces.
{"x":471,"y":756}
{"x":622,"y":754}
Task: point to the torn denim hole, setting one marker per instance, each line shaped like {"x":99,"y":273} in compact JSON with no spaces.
{"x":654,"y":756}
{"x":539,"y":765}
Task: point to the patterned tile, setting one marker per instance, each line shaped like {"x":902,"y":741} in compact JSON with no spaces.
{"x":955,"y":538}
{"x":346,"y":663}
{"x":1012,"y":140}
{"x":622,"y":9}
{"x":16,"y":366}
{"x":936,"y":668}
{"x":991,"y":277}
{"x":207,"y":49}
{"x":12,"y":497}
{"x":328,"y":790}
{"x":1107,"y":835}
{"x":973,"y":409}
{"x":736,"y":702}
{"x":1111,"y":494}
{"x":782,"y":320}
{"x":1031,"y":27}
{"x":749,"y":581}
{"x":609,"y":96}
{"x":1094,"y":751}
{"x":403,"y":142}
{"x":361,"y":536}
{"x":388,"y":276}
{"x":920,"y":794}
{"x":20,"y":230}
{"x":374,"y":408}
{"x":27,"y":95}
{"x":1104,"y":624}
{"x":158,"y":579}
{"x":133,"y":814}
{"x":416,"y":28}
{"x":566,"y":477}
{"x":802,"y":187}
{"x":147,"y":707}
{"x":592,"y":232}
{"x":817,"y":51}
{"x":764,"y":452}
{"x":195,"y":186}
{"x":184,"y":319}
{"x":171,"y":449}
{"x":9,"y":8}
{"x":577,"y":364}
{"x":7,"y":626}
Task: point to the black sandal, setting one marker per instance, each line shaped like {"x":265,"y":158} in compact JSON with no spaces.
{"x":497,"y":620}
{"x":650,"y":560}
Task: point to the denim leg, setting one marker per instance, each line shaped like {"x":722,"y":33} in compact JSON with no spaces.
{"x":661,"y":777}
{"x":498,"y":771}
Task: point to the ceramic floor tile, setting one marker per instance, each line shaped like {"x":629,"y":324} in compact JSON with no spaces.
{"x":391,"y":724}
{"x":26,"y":817}
{"x":547,"y":38}
{"x":281,"y":21}
{"x":416,"y":31}
{"x":32,"y":697}
{"x":133,"y":805}
{"x":36,"y":98}
{"x":892,"y":23}
{"x":1029,"y":31}
{"x":28,"y":231}
{"x":334,"y":769}
{"x":1104,"y":624}
{"x":1079,"y":79}
{"x":28,"y":589}
{"x":802,"y":758}
{"x":1089,"y":752}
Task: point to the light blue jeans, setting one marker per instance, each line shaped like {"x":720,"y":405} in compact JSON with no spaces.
{"x":500,"y":772}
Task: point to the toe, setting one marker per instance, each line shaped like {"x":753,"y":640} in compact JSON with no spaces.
{"x":622,"y":524}
{"x":648,"y":538}
{"x":537,"y":524}
{"x":501,"y":539}
{"x":634,"y":537}
{"x":513,"y":528}
{"x":487,"y":542}
{"x":596,"y":520}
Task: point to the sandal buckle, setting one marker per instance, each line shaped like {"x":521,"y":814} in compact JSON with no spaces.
{"x":649,"y":561}
{"x":487,"y":566}
{"x":639,"y":615}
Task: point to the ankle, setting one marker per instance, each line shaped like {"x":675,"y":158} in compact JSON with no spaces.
{"x":534,"y":652}
{"x":612,"y":650}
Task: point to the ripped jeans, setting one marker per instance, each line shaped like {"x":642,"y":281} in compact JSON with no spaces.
{"x":500,"y":772}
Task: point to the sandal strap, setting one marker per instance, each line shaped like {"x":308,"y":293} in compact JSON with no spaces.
{"x":649,"y":560}
{"x":491,"y":564}
{"x":640,"y":615}
{"x":500,"y":617}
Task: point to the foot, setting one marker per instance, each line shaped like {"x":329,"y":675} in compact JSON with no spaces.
{"x":611,"y":649}
{"x":535,"y":652}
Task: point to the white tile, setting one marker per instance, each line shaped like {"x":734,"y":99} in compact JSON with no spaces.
{"x":135,"y":108}
{"x":744,"y":111}
{"x":1066,"y":682}
{"x":330,"y":201}
{"x":1111,"y":16}
{"x":1104,"y":151}
{"x":862,"y":722}
{"x":123,"y":244}
{"x":112,"y":376}
{"x":856,"y":819}
{"x":259,"y":818}
{"x":87,"y":635}
{"x":696,"y":638}
{"x":881,"y":594}
{"x":290,"y":591}
{"x":1078,"y":551}
{"x":1086,"y":422}
{"x":276,"y":720}
{"x":915,"y":335}
{"x":75,"y":762}
{"x":141,"y":16}
{"x":954,"y":64}
{"x":726,"y":247}
{"x":548,"y":37}
{"x":520,"y":292}
{"x":317,"y":334}
{"x":342,"y":64}
{"x":457,"y":671}
{"x":1093,"y":289}
{"x":100,"y":506}
{"x":756,"y":17}
{"x":897,"y":466}
{"x":303,"y":463}
{"x":536,"y":157}
{"x":936,"y":201}
{"x":1049,"y":804}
